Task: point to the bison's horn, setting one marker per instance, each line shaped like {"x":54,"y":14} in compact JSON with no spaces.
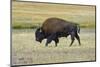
{"x":39,"y":29}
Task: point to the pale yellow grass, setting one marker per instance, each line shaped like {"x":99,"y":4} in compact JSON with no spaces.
{"x":30,"y":12}
{"x":25,"y":50}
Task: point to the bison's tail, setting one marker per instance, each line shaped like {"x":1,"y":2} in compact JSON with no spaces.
{"x":78,"y":28}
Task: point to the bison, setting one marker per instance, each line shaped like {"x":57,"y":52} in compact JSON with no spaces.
{"x":54,"y":28}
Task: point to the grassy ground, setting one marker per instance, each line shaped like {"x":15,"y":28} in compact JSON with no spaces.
{"x":32,"y":15}
{"x":25,"y":50}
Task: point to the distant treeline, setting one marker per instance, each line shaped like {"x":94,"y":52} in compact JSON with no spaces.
{"x":34,"y":26}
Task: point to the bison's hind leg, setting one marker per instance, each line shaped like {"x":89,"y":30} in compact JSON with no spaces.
{"x":72,"y":38}
{"x":78,"y":38}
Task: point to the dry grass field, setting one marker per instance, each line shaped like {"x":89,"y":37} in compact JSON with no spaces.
{"x":31,"y":15}
{"x":27,"y":16}
{"x":25,"y":50}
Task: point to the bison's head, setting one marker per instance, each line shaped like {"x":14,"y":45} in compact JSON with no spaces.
{"x":39,"y":35}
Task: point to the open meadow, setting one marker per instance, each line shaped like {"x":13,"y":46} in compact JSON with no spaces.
{"x":25,"y":50}
{"x":28,"y":16}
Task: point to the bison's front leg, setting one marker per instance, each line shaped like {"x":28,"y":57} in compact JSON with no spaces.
{"x":56,"y":41}
{"x":50,"y":38}
{"x":48,"y":41}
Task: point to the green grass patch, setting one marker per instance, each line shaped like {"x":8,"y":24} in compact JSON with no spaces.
{"x":25,"y":25}
{"x":36,"y":25}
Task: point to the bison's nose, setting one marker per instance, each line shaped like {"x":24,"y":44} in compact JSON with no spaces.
{"x":37,"y":39}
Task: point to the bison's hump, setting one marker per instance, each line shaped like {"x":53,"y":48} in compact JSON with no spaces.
{"x":52,"y":25}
